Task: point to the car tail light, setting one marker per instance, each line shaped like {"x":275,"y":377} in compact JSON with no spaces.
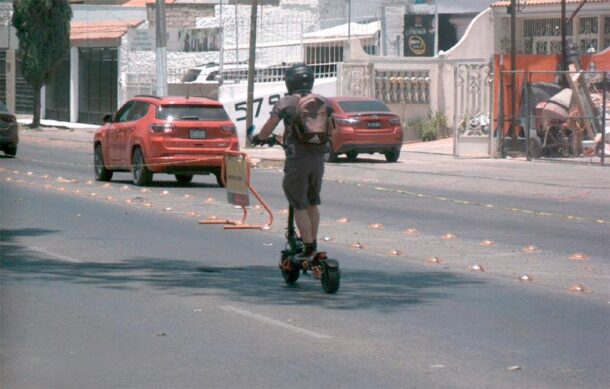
{"x":395,"y":121}
{"x":228,"y":130}
{"x":348,"y":121}
{"x":160,"y":129}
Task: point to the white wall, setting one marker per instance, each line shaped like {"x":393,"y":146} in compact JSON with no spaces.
{"x":93,"y":13}
{"x":478,"y":40}
{"x":234,"y":98}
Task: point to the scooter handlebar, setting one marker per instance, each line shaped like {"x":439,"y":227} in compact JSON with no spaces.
{"x":270,"y":141}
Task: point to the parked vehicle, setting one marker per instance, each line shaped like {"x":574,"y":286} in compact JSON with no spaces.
{"x":364,"y":125}
{"x":175,"y":135}
{"x":9,"y":132}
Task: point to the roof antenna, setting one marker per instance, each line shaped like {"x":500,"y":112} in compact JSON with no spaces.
{"x":188,"y":90}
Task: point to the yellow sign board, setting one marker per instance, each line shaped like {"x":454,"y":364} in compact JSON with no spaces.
{"x":236,"y":168}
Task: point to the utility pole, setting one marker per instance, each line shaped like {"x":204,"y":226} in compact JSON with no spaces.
{"x":384,"y":32}
{"x":435,"y":28}
{"x":513,"y":69}
{"x":161,"y":45}
{"x":251,"y":63}
{"x":236,"y":43}
{"x":564,"y":48}
{"x":222,"y":45}
{"x":349,"y":22}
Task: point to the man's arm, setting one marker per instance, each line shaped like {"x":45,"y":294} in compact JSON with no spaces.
{"x":268,"y":127}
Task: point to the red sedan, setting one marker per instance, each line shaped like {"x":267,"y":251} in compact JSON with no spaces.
{"x":364,"y":125}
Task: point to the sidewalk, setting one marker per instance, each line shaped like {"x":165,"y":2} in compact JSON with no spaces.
{"x":439,"y":147}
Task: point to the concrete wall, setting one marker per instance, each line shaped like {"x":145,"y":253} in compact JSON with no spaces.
{"x":93,"y":13}
{"x":180,"y":15}
{"x":477,"y":42}
{"x":6,"y":10}
{"x":193,"y":90}
{"x":140,"y":65}
{"x":472,"y":47}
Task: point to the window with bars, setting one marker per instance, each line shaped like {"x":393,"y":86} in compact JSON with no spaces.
{"x":543,"y":36}
{"x":545,"y":27}
{"x":587,"y":32}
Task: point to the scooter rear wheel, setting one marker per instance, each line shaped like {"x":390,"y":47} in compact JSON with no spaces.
{"x":331,"y":278}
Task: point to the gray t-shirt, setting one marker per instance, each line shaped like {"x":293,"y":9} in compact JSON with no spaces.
{"x":286,"y":109}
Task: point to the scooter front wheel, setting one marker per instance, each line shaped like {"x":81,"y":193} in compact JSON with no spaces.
{"x":331,"y":276}
{"x":289,"y":271}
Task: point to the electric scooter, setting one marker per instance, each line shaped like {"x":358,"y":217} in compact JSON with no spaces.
{"x":323,"y":268}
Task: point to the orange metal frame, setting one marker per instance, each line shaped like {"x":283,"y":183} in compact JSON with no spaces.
{"x":241,"y":224}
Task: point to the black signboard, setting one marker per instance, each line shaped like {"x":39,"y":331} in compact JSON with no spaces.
{"x":419,"y":35}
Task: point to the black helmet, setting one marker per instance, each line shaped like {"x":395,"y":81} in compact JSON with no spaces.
{"x":299,"y":77}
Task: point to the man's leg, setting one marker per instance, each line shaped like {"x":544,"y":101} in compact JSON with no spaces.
{"x":307,"y":221}
{"x":314,"y":218}
{"x":304,"y":223}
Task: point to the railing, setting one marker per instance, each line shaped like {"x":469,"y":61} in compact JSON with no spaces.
{"x":407,"y":87}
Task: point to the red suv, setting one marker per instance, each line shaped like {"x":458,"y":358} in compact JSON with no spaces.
{"x":176,"y":135}
{"x":364,"y":125}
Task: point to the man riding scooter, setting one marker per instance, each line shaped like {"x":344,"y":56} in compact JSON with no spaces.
{"x":304,"y":165}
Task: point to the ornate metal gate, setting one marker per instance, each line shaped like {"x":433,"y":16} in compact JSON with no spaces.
{"x":473,"y":110}
{"x":356,"y":80}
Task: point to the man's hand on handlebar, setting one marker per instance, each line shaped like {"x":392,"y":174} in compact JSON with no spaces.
{"x":271,"y":141}
{"x":256,"y":140}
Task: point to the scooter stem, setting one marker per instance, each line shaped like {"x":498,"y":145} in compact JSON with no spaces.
{"x":291,"y":229}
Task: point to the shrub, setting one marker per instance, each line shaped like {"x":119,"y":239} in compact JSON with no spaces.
{"x":428,"y":131}
{"x":429,"y":128}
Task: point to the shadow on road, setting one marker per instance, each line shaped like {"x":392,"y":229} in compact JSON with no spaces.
{"x":360,"y":288}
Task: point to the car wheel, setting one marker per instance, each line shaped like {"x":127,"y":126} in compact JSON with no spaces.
{"x":392,"y":155}
{"x":219,"y":179}
{"x":329,"y":155}
{"x":101,"y":173}
{"x":184,"y":179}
{"x":140,"y":173}
{"x":352,"y":155}
{"x":11,"y":150}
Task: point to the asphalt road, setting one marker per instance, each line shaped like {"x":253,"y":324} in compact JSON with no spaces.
{"x":107,"y":285}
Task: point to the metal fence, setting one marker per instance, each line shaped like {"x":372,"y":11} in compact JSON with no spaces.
{"x":280,"y":43}
{"x":558,"y":115}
